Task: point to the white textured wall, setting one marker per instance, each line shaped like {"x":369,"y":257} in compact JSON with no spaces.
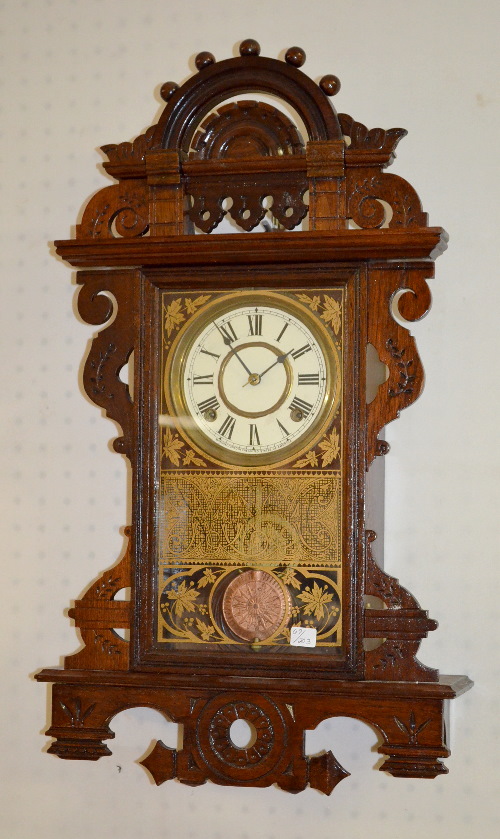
{"x":79,"y":74}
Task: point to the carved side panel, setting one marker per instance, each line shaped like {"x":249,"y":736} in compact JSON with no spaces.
{"x":98,"y":616}
{"x":112,"y":347}
{"x":395,"y":345}
{"x":403,"y":625}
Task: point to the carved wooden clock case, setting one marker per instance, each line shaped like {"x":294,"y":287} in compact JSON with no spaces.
{"x":254,"y":592}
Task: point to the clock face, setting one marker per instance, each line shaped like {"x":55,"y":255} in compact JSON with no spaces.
{"x":252,"y":378}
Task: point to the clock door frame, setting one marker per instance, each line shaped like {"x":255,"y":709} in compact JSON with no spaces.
{"x":346,"y":662}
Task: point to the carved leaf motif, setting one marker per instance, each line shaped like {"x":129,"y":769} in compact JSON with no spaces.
{"x":105,"y":644}
{"x":412,"y":730}
{"x":130,"y":152}
{"x":375,"y":138}
{"x":77,"y":716}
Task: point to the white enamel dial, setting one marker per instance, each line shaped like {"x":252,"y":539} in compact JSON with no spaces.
{"x":255,"y":378}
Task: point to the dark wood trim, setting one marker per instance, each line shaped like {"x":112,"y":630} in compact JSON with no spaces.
{"x":258,"y":248}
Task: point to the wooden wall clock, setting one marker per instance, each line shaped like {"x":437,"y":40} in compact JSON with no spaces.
{"x":255,"y":450}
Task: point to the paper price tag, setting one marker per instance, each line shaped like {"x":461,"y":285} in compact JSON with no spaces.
{"x":301,"y":636}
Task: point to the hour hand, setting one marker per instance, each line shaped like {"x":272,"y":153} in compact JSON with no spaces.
{"x":227,"y":340}
{"x":280,"y":360}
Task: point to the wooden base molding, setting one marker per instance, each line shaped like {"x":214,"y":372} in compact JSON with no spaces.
{"x":409,"y":717}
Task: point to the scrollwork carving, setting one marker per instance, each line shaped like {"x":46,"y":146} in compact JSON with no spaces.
{"x":367,"y":191}
{"x":112,"y":347}
{"x":395,"y":345}
{"x":118,"y":211}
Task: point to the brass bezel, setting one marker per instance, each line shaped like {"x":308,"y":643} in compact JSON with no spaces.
{"x":174,"y":379}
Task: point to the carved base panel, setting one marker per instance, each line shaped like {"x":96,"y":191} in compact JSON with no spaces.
{"x":409,"y":717}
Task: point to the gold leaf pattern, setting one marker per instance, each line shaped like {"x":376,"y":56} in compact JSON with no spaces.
{"x":173,"y":316}
{"x":332,"y":313}
{"x":207,"y":579}
{"x":312,"y":302}
{"x":185,"y":614}
{"x":173,"y":450}
{"x":192,"y":305}
{"x":315,"y":600}
{"x":289,"y":578}
{"x":177,"y":311}
{"x":172,"y":445}
{"x":330,"y":447}
{"x":190,"y":457}
{"x":183,"y":598}
{"x":330,"y":450}
{"x":310,"y":459}
{"x":205,"y":630}
{"x":331,"y":309}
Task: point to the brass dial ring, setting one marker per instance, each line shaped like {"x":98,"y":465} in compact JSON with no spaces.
{"x":254,"y":379}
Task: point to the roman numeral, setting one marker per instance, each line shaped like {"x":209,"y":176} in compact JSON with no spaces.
{"x":285,"y":432}
{"x":227,"y":427}
{"x":278,"y":339}
{"x":255,"y":323}
{"x":228,"y":333}
{"x":300,"y":405}
{"x":212,"y":403}
{"x":207,"y":352}
{"x":302,"y":351}
{"x":254,"y":435}
{"x":309,"y":379}
{"x":206,"y":380}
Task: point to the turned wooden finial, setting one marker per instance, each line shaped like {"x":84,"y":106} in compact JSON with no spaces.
{"x":249,"y":47}
{"x":168,"y":89}
{"x":330,"y":84}
{"x":295,"y":56}
{"x":204,"y":59}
